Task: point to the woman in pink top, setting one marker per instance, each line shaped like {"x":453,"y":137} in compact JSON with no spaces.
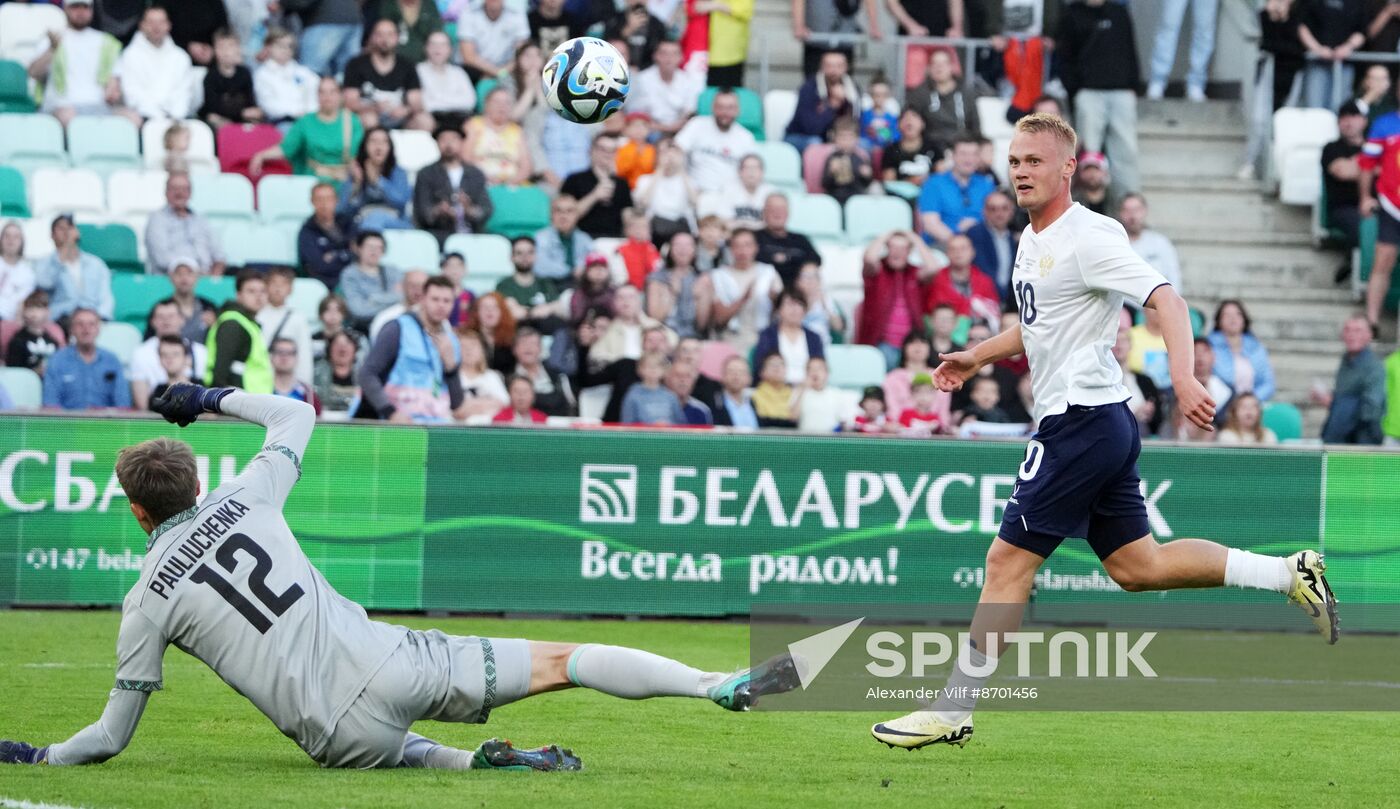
{"x":913,"y":360}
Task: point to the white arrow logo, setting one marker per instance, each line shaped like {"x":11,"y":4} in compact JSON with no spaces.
{"x":813,"y":653}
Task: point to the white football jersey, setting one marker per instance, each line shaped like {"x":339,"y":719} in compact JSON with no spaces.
{"x":227,"y":583}
{"x":1070,"y":282}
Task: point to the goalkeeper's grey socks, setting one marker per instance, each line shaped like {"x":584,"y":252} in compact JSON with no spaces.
{"x":959,"y":696}
{"x":1245,"y":569}
{"x":419,"y":751}
{"x":634,"y":674}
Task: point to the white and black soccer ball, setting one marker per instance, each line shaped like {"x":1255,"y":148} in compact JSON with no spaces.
{"x":586,"y":80}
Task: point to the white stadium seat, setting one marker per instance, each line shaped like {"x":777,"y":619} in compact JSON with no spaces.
{"x":306,"y":298}
{"x":868,"y":216}
{"x":136,"y":192}
{"x":991,"y":112}
{"x":778,"y":107}
{"x":782,"y":165}
{"x":66,"y":191}
{"x":855,"y":366}
{"x":226,"y":197}
{"x":411,"y":250}
{"x":414,"y":149}
{"x":816,"y":216}
{"x":1300,"y":176}
{"x":1299,"y":126}
{"x":121,"y":339}
{"x":24,"y":386}
{"x":841,"y":266}
{"x":24,"y":26}
{"x":250,"y":243}
{"x":285,"y":198}
{"x":38,"y":236}
{"x":487,"y":255}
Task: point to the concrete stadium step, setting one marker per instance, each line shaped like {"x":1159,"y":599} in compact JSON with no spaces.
{"x":1204,"y":263}
{"x":1181,"y":153}
{"x":1293,"y":295}
{"x":1187,"y":211}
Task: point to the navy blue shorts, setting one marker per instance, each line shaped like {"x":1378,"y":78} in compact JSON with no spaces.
{"x":1079,"y":479}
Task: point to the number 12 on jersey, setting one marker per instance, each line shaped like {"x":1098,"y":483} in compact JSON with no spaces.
{"x":257,"y":582}
{"x":1025,"y":301}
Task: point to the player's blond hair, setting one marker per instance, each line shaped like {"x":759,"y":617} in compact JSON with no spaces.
{"x":160,"y":476}
{"x":1039,"y":122}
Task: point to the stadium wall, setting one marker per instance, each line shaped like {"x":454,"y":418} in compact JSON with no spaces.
{"x":659,"y":523}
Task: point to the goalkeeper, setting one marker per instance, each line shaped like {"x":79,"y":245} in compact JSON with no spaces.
{"x":225,"y":581}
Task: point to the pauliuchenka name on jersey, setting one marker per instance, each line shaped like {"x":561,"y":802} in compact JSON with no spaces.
{"x":200,"y":540}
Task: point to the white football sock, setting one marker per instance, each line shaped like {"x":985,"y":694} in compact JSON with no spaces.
{"x":958,"y":698}
{"x":420,"y":751}
{"x":634,"y":674}
{"x":1245,"y":569}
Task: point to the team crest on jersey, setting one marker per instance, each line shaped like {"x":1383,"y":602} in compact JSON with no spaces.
{"x":1047,"y":263}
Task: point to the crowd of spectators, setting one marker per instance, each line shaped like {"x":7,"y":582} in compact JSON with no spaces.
{"x":665,"y":243}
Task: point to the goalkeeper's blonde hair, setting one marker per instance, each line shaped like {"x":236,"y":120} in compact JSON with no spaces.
{"x":1039,"y":122}
{"x":160,"y":476}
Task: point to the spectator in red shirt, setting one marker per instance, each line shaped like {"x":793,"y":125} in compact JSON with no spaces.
{"x":895,"y":292}
{"x":923,"y":418}
{"x":638,"y":253}
{"x":521,"y":410}
{"x":962,"y":286}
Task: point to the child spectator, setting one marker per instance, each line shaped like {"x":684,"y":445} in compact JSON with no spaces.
{"x":647,"y":402}
{"x":483,"y":392}
{"x":847,"y":171}
{"x":38,"y":337}
{"x":1245,"y":424}
{"x":177,"y":148}
{"x":923,"y":419}
{"x":635,"y":155}
{"x":175,"y":361}
{"x":942,"y":323}
{"x":871,"y":418}
{"x":710,"y":252}
{"x":772,"y":398}
{"x":986,"y":403}
{"x":454,"y":268}
{"x":285,"y":89}
{"x":228,"y":86}
{"x":521,"y":410}
{"x":816,"y":406}
{"x":879,"y":116}
{"x":638,"y":253}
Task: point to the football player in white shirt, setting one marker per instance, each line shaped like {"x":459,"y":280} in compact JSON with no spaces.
{"x":225,"y":581}
{"x":1074,"y":269}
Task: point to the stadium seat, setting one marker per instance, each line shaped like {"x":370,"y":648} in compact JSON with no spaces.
{"x":778,"y":109}
{"x":1284,"y":419}
{"x":218,"y":290}
{"x":227,"y":197}
{"x":14,"y":88}
{"x":816,"y":216}
{"x":38,"y":237}
{"x":1001,"y":151}
{"x":13,"y":199}
{"x":841,"y":266}
{"x":411,"y":250}
{"x":250,"y":243}
{"x":237,"y":143}
{"x":1300,"y":176}
{"x":488,"y":255}
{"x":306,"y":298}
{"x":201,"y":152}
{"x":31,"y":141}
{"x":991,"y":113}
{"x":136,"y":192}
{"x":1368,"y":257}
{"x":813,"y":161}
{"x":868,"y":216}
{"x":593,"y":401}
{"x":121,"y":339}
{"x":285,"y":198}
{"x":103,"y":143}
{"x":136,"y":294}
{"x":115,"y":244}
{"x":23,"y":27}
{"x":483,"y":89}
{"x":519,"y":211}
{"x":782,"y":165}
{"x":713,"y":355}
{"x":66,"y":191}
{"x":414,"y":149}
{"x":1301,"y":126}
{"x":855,"y":366}
{"x":750,"y":109}
{"x":24,"y":387}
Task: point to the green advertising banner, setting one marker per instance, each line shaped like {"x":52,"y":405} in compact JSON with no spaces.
{"x":613,"y":522}
{"x":67,"y":537}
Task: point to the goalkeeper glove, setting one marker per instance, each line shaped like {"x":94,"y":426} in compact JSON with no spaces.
{"x":22,"y":753}
{"x":182,"y":403}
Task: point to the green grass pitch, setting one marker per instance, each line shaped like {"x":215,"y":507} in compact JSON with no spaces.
{"x":200,"y":744}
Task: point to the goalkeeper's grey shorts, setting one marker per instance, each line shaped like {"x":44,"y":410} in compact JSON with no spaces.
{"x":431,"y":675}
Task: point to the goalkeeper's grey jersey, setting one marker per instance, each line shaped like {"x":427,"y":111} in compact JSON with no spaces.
{"x":227,"y":583}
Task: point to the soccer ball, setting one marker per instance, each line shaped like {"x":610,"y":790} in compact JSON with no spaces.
{"x":586,"y":80}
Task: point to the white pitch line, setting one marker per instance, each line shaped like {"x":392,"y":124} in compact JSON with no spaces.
{"x":15,"y":803}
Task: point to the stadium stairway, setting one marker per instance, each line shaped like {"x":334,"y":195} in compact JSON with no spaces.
{"x":1235,"y":242}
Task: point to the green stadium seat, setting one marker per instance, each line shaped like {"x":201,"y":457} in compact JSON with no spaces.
{"x":782,"y":165}
{"x":869,"y":216}
{"x":519,"y":211}
{"x":1284,"y":419}
{"x":13,"y":199}
{"x":1198,"y":322}
{"x":817,"y":216}
{"x":1368,"y":257}
{"x":217,"y":290}
{"x":115,"y":244}
{"x":136,"y":294}
{"x":104,"y":143}
{"x":14,"y":88}
{"x":855,"y":366}
{"x":31,"y":141}
{"x":750,"y":108}
{"x":483,"y":89}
